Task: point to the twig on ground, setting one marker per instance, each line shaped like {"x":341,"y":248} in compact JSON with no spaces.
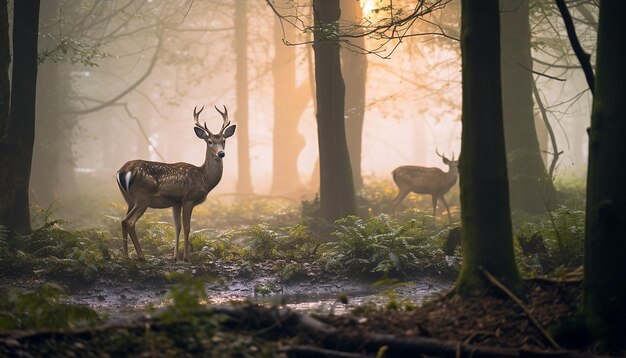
{"x":519,"y":302}
{"x":312,"y":351}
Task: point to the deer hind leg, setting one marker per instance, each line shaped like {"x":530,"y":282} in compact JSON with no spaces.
{"x":125,"y":235}
{"x":434,"y":199}
{"x":187,"y":209}
{"x":129,"y":223}
{"x":176,"y":210}
{"x":398,"y":199}
{"x":447,"y":207}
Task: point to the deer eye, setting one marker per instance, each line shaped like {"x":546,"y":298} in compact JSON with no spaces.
{"x":210,"y":141}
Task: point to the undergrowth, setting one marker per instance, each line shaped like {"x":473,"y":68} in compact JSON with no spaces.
{"x":554,"y":244}
{"x":41,"y":308}
{"x":382,"y":245}
{"x":282,"y":239}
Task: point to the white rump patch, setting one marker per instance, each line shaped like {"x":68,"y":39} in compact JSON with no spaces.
{"x":127,"y":179}
{"x":126,"y":183}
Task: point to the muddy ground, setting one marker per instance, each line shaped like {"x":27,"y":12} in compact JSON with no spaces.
{"x":487,"y":325}
{"x":323,"y":297}
{"x":352,"y":317}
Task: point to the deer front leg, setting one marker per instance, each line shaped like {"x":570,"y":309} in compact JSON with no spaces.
{"x":187,"y":209}
{"x":434,"y":199}
{"x":176,"y":211}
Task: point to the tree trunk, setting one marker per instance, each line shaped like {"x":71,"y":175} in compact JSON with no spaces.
{"x":52,"y":176}
{"x":5,"y":62}
{"x":16,"y":148}
{"x":578,"y":134}
{"x":605,"y":234}
{"x":244,"y":183}
{"x":336,"y":186}
{"x":45,"y":176}
{"x":531,"y":190}
{"x":486,"y":221}
{"x":354,"y":70}
{"x":289,"y":103}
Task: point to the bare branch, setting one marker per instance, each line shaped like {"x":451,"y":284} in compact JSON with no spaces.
{"x":143,"y":132}
{"x":543,"y":74}
{"x":393,"y":28}
{"x":544,"y":116}
{"x":130,"y":88}
{"x":582,"y":56}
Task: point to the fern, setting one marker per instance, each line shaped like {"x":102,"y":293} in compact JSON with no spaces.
{"x":380,"y":244}
{"x":41,"y":308}
{"x":558,"y":242}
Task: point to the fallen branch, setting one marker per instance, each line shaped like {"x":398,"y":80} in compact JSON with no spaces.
{"x":332,"y":341}
{"x":331,"y":337}
{"x":315,"y":352}
{"x":519,"y":302}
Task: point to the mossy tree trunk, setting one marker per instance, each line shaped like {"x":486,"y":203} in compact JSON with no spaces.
{"x":531,"y":190}
{"x":605,"y":234}
{"x":336,"y":185}
{"x":486,"y":221}
{"x":16,"y":147}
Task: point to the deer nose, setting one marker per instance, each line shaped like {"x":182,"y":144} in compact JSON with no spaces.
{"x":221,"y":154}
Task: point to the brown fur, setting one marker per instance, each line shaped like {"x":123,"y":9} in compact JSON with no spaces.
{"x":180,"y":186}
{"x":424,"y":180}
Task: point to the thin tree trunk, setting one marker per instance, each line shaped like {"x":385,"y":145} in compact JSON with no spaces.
{"x":354,"y":70}
{"x":336,"y":186}
{"x":531,"y":190}
{"x":244,"y":183}
{"x":289,"y":103}
{"x":486,"y":221}
{"x":52,"y":176}
{"x":45,"y":151}
{"x":5,"y":62}
{"x":605,"y":229}
{"x":16,"y":148}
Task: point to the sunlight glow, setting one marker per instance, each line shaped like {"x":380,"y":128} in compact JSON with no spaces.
{"x":368,"y":6}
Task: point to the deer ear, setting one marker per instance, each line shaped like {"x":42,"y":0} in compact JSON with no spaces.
{"x":445,"y":160}
{"x":200,"y":133}
{"x":229,"y":131}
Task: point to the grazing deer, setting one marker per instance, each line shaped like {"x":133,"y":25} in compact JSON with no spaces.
{"x":180,"y":186}
{"x":422,"y":180}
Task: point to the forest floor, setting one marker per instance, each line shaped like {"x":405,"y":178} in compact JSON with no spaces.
{"x":492,"y":324}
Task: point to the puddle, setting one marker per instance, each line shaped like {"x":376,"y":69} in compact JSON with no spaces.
{"x":116,"y":300}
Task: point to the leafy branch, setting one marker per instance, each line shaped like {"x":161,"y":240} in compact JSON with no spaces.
{"x":72,"y":51}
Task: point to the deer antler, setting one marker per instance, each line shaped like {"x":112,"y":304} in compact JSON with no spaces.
{"x":440,"y":155}
{"x":196,"y":117}
{"x":224,"y":114}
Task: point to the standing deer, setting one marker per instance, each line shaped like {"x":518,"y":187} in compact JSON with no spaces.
{"x":181,"y":186}
{"x":423,"y":180}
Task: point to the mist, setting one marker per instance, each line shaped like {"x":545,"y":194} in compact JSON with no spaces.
{"x":127,"y":86}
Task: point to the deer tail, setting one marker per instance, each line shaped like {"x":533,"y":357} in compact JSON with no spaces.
{"x":123,"y":179}
{"x":395,"y":174}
